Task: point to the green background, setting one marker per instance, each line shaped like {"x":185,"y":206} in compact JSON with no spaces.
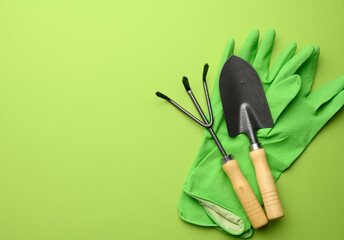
{"x":88,"y":151}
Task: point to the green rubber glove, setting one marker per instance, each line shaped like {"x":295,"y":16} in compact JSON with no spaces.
{"x":298,"y":116}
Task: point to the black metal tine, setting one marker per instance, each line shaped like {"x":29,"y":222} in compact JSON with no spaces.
{"x":210,"y":111}
{"x":194,"y":100}
{"x":159,"y":94}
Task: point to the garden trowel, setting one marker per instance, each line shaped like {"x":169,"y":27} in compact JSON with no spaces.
{"x":246,"y":111}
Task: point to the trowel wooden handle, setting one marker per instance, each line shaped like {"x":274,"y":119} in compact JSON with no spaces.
{"x":266,"y":183}
{"x":245,"y":194}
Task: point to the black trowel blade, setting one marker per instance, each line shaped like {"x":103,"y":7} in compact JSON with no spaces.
{"x":244,"y":103}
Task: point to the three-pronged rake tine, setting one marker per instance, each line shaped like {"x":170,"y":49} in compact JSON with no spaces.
{"x":206,"y":123}
{"x":194,"y":100}
{"x":186,"y":84}
{"x":163,"y":96}
{"x":205,"y":72}
{"x":187,"y":87}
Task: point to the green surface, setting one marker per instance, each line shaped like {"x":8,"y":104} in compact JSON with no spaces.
{"x":89,"y":152}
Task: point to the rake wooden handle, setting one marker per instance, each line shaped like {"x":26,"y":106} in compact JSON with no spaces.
{"x":267,"y":186}
{"x":245,"y":194}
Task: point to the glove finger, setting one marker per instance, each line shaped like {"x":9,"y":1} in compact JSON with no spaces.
{"x":326,"y":93}
{"x":228,"y":52}
{"x":249,"y":50}
{"x":326,"y":111}
{"x":262,"y":61}
{"x":281,"y":60}
{"x":307,"y":71}
{"x":295,"y":63}
{"x":281,"y":93}
{"x":215,"y":96}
